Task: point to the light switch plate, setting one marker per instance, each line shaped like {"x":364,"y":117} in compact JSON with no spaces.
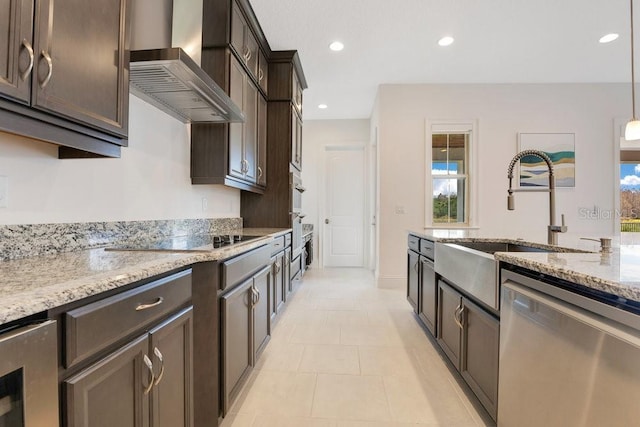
{"x":4,"y":191}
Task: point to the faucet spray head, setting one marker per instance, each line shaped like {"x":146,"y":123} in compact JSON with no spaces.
{"x":511,"y":203}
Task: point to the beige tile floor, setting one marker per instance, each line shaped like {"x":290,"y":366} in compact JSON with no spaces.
{"x":347,"y":354}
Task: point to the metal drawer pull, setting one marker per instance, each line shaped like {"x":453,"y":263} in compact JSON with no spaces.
{"x":157,"y":302}
{"x":259,"y":172}
{"x":159,"y":356}
{"x":47,"y":58}
{"x":26,"y":72}
{"x":147,"y":362}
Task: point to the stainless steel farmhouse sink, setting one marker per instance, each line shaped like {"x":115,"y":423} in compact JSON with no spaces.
{"x":472,"y":267}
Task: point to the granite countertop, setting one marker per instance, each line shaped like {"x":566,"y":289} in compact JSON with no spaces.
{"x":35,"y":284}
{"x":617,"y":273}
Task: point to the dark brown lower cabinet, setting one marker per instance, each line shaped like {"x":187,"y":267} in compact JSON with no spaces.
{"x":146,"y":382}
{"x":469,"y":336}
{"x":277,"y":284}
{"x":480,"y":354}
{"x":246,"y":329}
{"x":427,"y":294}
{"x":449,"y":333}
{"x":413,"y":278}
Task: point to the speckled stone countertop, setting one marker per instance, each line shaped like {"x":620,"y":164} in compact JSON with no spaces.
{"x":35,"y":284}
{"x":617,"y":273}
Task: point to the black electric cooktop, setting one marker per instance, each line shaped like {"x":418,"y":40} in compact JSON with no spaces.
{"x":187,"y":243}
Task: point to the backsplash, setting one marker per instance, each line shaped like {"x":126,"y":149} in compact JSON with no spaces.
{"x":21,"y":241}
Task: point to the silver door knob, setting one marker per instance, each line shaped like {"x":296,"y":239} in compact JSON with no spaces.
{"x":326,"y":221}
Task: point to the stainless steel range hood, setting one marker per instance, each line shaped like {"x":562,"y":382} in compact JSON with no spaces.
{"x":167,"y":77}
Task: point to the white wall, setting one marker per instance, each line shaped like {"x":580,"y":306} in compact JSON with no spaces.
{"x":150,"y":181}
{"x":502,"y":111}
{"x":316,"y":134}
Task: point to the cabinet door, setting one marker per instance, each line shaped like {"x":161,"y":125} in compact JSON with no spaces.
{"x":261,"y":311}
{"x":237,"y":84}
{"x":296,"y":140}
{"x":250,"y":131}
{"x":413,"y":278}
{"x":263,"y":71}
{"x":449,"y":332}
{"x":81,"y":65}
{"x":277,"y":283}
{"x":235,"y":311}
{"x":480,"y":354}
{"x":251,"y":46}
{"x":111,"y":392}
{"x":427,"y":294}
{"x":16,"y":50}
{"x":262,"y":141}
{"x":172,"y":353}
{"x":237,"y":29}
{"x":287,"y":273}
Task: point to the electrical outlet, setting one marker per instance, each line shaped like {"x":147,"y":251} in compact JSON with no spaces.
{"x":400,"y":210}
{"x":4,"y":191}
{"x":205,"y":204}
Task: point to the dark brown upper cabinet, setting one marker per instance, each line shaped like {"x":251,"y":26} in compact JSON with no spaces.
{"x":64,"y":74}
{"x":16,"y":51}
{"x":235,"y":55}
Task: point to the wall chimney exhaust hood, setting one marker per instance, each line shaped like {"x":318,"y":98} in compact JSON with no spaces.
{"x":169,"y":78}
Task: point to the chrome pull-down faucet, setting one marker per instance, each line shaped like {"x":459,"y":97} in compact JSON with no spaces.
{"x":553,"y":229}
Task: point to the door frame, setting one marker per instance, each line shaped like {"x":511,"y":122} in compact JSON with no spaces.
{"x":322,"y":194}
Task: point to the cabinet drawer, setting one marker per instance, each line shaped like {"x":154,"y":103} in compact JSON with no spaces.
{"x":236,"y":269}
{"x":427,"y":248}
{"x":414,"y":243}
{"x":96,"y":326}
{"x":277,"y":245}
{"x":287,"y":240}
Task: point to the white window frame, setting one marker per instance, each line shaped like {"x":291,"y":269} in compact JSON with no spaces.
{"x":451,"y":126}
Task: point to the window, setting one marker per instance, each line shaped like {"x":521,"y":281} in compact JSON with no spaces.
{"x":450,"y":176}
{"x":629,"y":196}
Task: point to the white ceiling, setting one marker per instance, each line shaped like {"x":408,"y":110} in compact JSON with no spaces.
{"x":395,"y":41}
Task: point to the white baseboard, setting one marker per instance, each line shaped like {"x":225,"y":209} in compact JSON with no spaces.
{"x":391,"y":282}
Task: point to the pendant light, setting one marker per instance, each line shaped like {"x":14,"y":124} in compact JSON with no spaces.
{"x":632,"y":131}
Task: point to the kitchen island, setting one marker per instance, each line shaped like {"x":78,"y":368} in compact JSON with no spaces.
{"x":514,"y":335}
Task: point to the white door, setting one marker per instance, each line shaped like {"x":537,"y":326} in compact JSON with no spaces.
{"x":344,"y":207}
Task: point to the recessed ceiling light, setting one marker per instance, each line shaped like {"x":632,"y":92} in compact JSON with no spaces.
{"x":608,"y":38}
{"x":445,"y":41}
{"x":322,"y":106}
{"x":336,"y":46}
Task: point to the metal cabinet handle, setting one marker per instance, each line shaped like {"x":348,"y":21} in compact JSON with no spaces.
{"x":259,"y":172}
{"x":27,"y":46}
{"x":161,"y":359}
{"x":249,"y":54}
{"x":278,"y":267}
{"x":149,"y":365}
{"x":260,"y":74}
{"x":456,"y":312}
{"x":157,"y":302}
{"x":415,"y":266}
{"x":47,"y":58}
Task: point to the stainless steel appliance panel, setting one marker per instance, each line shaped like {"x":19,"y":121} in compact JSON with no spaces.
{"x":29,"y":376}
{"x":561,"y":365}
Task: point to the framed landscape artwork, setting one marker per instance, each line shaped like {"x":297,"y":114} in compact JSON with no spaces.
{"x":560,"y":147}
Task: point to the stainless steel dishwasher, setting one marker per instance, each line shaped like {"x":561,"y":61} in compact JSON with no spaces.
{"x":29,"y":376}
{"x":566,"y":359}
